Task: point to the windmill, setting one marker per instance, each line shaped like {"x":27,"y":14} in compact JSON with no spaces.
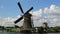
{"x":26,"y":16}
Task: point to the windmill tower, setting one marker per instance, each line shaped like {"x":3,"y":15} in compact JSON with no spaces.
{"x":26,"y":17}
{"x":27,"y":21}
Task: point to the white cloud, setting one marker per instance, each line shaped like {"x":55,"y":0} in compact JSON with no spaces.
{"x":53,"y":15}
{"x":18,"y":16}
{"x":53,"y":10}
{"x":50,"y":15}
{"x":7,"y":21}
{"x":52,"y":7}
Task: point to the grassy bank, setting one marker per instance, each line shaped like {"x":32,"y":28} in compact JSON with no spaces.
{"x":40,"y":29}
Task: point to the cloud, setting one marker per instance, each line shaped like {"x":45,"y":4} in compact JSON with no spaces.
{"x":53,"y":10}
{"x":18,"y":16}
{"x":6,"y":21}
{"x":37,"y":13}
{"x":49,"y":15}
{"x":53,"y":13}
{"x":9,"y":21}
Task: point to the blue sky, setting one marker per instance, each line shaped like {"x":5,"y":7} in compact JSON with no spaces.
{"x":9,"y":8}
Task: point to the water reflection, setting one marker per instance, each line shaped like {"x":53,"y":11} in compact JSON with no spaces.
{"x":34,"y":33}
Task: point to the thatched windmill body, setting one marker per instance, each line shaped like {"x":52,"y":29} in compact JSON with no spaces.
{"x":27,"y":18}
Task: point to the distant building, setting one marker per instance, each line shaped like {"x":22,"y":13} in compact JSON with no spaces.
{"x":45,"y":24}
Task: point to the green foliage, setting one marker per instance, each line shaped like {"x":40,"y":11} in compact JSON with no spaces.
{"x":47,"y":29}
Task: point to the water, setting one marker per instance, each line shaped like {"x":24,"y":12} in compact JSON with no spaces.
{"x":4,"y":32}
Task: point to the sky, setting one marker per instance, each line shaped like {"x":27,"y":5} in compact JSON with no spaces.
{"x":48,"y":9}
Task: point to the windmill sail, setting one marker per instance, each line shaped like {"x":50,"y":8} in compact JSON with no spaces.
{"x":18,"y":20}
{"x":20,"y":7}
{"x":23,"y":15}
